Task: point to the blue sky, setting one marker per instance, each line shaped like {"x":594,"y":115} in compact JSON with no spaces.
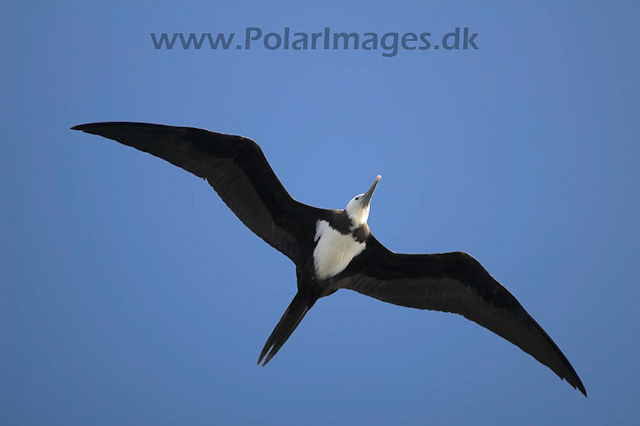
{"x":130,"y":295}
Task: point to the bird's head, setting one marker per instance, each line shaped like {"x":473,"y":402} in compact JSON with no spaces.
{"x":358,"y":207}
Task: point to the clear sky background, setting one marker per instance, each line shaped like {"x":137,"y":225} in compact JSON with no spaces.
{"x":131,"y":295}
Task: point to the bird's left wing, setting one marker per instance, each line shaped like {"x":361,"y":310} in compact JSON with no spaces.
{"x":233,"y":165}
{"x":456,"y":283}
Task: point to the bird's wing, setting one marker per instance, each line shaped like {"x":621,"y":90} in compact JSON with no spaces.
{"x":233,"y":165}
{"x":456,"y":283}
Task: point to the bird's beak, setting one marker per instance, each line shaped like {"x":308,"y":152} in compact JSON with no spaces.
{"x":366,"y":198}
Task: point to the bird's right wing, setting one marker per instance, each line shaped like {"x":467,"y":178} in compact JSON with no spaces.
{"x":456,"y":283}
{"x":233,"y":165}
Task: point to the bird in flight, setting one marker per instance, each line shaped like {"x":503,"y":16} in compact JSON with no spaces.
{"x":334,"y":249}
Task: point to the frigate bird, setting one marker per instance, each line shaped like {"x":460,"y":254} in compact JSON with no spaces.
{"x":334,"y":249}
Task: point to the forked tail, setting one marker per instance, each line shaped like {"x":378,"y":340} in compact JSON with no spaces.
{"x":299,"y":306}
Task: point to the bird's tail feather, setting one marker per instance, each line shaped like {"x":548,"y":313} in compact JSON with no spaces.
{"x":299,"y":306}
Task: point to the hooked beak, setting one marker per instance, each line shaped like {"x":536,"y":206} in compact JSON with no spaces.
{"x":366,"y":198}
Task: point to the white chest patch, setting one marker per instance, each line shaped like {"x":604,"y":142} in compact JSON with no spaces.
{"x":334,"y":250}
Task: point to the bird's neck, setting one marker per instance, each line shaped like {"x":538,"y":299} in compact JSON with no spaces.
{"x":358,"y":217}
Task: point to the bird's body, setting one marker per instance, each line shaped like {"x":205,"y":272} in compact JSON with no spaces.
{"x":334,"y":249}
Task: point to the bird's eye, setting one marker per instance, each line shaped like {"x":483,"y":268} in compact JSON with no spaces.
{"x":357,"y":198}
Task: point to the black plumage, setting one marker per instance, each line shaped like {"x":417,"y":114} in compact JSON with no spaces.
{"x":238,"y":171}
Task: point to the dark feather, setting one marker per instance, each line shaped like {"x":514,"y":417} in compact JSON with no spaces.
{"x":298,"y":308}
{"x":456,"y":283}
{"x":234,"y":166}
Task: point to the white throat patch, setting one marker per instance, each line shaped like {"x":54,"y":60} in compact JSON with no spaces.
{"x":334,"y":250}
